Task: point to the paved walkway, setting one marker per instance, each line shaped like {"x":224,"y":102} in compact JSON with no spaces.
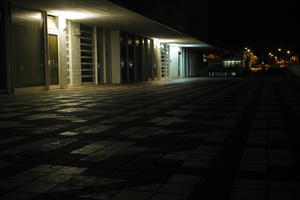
{"x":186,"y":139}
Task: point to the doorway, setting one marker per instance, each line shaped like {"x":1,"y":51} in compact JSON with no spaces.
{"x":53,"y":59}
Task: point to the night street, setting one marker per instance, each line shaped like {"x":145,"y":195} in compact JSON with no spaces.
{"x":204,"y":138}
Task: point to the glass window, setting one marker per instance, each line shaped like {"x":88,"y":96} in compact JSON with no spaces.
{"x":27,"y":47}
{"x":2,"y":65}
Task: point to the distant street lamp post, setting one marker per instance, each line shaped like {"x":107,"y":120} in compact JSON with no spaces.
{"x":270,"y":58}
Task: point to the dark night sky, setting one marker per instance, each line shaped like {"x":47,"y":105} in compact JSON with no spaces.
{"x":261,"y":25}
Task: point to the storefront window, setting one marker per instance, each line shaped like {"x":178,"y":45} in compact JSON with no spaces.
{"x":27,"y":47}
{"x":2,"y":62}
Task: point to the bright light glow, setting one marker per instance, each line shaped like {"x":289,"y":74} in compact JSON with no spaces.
{"x":164,"y":40}
{"x":279,"y":49}
{"x":192,"y":45}
{"x":175,"y":48}
{"x":37,"y":16}
{"x":248,"y":50}
{"x":73,"y":14}
{"x":176,"y":42}
{"x":62,"y":22}
{"x":232,"y":61}
{"x":288,"y":52}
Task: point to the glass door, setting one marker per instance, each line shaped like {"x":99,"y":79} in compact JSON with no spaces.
{"x":53,"y":59}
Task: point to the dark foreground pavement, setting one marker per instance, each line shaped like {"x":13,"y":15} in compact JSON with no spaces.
{"x":187,"y":139}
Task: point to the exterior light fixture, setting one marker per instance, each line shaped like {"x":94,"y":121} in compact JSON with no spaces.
{"x":73,"y":14}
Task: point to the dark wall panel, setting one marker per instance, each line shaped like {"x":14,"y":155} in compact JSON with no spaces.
{"x":27,"y":48}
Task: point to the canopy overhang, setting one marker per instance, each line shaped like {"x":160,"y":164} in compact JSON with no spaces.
{"x":105,"y":14}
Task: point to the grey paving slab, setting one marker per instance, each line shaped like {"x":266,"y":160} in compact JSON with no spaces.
{"x":156,"y":140}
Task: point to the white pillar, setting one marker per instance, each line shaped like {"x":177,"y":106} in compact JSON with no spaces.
{"x":74,"y":55}
{"x":62,"y":52}
{"x":115,"y":56}
{"x":104,"y":65}
{"x":95,"y":55}
{"x":157,"y":55}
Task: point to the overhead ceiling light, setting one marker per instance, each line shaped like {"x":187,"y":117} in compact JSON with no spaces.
{"x":164,"y":40}
{"x":73,"y":14}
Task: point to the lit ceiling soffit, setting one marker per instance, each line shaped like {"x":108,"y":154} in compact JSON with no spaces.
{"x":105,"y":14}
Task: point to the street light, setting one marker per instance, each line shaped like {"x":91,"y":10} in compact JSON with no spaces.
{"x":270,"y":57}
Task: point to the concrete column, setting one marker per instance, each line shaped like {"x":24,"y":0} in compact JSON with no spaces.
{"x":174,"y":61}
{"x":143,"y":58}
{"x":108,"y":56}
{"x":146,"y":57}
{"x":152,"y":60}
{"x":115,"y":56}
{"x":95,"y":55}
{"x":62,"y":52}
{"x":126,"y":57}
{"x":135,"y":57}
{"x":46,"y":51}
{"x":7,"y":57}
{"x":183,"y":63}
{"x":157,"y":59}
{"x":103,"y":46}
{"x":75,"y":57}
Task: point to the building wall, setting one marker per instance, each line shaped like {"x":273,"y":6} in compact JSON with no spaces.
{"x":143,"y":55}
{"x":3,"y":70}
{"x":27,"y":47}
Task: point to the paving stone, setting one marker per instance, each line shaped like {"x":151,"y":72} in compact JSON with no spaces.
{"x":66,"y":189}
{"x":70,"y":170}
{"x":144,"y":186}
{"x":185,"y":179}
{"x":238,"y":194}
{"x":129,"y":195}
{"x":37,"y":187}
{"x":250,"y":184}
{"x":174,"y":188}
{"x":18,"y":196}
{"x":98,"y":193}
{"x":281,"y":157}
{"x":29,"y":175}
{"x":54,"y":179}
{"x":11,"y":184}
{"x":81,"y":180}
{"x":155,"y":140}
{"x":159,"y":196}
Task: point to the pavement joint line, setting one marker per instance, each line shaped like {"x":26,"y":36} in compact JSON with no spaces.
{"x":215,"y":181}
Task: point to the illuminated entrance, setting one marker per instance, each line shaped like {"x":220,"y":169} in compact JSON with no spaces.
{"x":53,"y":59}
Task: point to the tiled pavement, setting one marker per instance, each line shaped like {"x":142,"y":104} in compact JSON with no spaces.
{"x":185,"y":139}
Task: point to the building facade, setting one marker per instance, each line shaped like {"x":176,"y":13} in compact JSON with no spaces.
{"x":45,"y":45}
